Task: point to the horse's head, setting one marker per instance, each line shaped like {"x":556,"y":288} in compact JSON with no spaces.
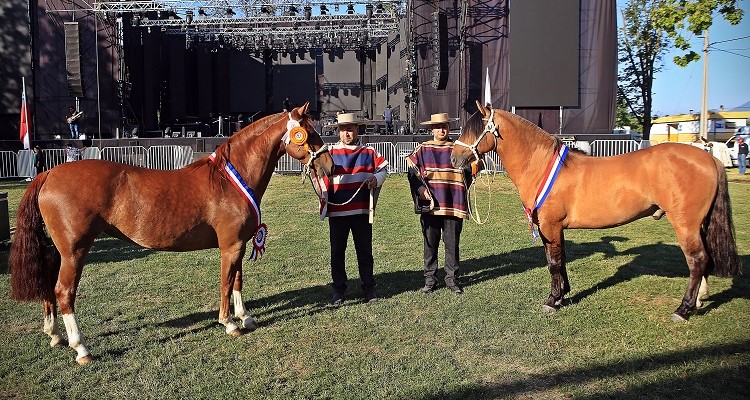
{"x":479,"y":136}
{"x":305,"y":144}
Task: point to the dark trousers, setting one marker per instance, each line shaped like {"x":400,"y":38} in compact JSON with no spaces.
{"x":339,"y":228}
{"x":432,"y":225}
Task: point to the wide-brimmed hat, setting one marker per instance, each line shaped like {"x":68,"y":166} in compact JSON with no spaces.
{"x":438,"y":119}
{"x":347,"y":119}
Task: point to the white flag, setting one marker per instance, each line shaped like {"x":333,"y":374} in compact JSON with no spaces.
{"x":487,"y":90}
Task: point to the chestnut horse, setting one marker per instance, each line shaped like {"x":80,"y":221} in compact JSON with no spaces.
{"x":200,"y":206}
{"x":686,"y":183}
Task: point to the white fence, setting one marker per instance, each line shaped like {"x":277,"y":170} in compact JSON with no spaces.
{"x":174,"y":157}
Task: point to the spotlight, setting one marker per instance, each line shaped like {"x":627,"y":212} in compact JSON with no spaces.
{"x":189,"y":16}
{"x":230,"y":12}
{"x":265,"y":10}
{"x":136,"y":20}
{"x":201,"y":13}
{"x":379,"y":8}
{"x":308,"y":12}
{"x":350,"y":9}
{"x":292,"y":10}
{"x":368,"y":11}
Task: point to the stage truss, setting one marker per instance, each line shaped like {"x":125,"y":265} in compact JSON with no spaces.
{"x":266,"y":24}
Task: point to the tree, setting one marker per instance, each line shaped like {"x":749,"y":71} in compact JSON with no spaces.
{"x":651,"y":29}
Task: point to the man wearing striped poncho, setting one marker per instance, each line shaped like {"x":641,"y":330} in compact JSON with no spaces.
{"x":439,"y":195}
{"x":349,"y":201}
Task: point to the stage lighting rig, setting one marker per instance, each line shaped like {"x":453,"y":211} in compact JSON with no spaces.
{"x":277,"y":20}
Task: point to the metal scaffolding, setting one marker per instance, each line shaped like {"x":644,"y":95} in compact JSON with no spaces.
{"x":266,"y":24}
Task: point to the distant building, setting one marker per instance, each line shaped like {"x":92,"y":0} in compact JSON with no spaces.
{"x":722,"y":125}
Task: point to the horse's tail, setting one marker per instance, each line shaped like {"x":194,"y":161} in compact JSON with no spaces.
{"x":33,"y":268}
{"x":719,"y":231}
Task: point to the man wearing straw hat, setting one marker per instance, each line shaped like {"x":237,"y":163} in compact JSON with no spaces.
{"x":349,"y":203}
{"x":439,"y":195}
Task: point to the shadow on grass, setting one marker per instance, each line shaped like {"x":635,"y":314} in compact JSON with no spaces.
{"x":656,"y":259}
{"x":109,"y":249}
{"x":725,"y":383}
{"x":649,"y":260}
{"x":105,"y":249}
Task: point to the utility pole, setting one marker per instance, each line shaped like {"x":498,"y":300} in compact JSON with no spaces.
{"x":704,"y":104}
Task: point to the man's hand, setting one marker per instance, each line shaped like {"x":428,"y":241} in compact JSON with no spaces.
{"x":372,"y":182}
{"x":476,"y":166}
{"x":423,"y":193}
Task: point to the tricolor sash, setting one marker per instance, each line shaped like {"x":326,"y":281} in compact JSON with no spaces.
{"x":261,"y":231}
{"x":541,"y":195}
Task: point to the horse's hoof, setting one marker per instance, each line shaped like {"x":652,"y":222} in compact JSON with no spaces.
{"x":235,"y":333}
{"x":250,"y":325}
{"x":679,"y":318}
{"x":58,"y":342}
{"x":85,"y":359}
{"x":547,"y":309}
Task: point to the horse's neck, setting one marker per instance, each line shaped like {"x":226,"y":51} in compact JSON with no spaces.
{"x":525,"y":154}
{"x":258,"y":156}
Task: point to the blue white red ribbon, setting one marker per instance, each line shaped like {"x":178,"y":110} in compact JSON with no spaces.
{"x":541,"y":195}
{"x":261,"y":232}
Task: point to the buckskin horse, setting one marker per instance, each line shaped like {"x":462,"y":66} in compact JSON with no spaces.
{"x":561,"y":190}
{"x":213,"y":202}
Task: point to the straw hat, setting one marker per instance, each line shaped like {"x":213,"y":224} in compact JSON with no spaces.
{"x":347,"y":119}
{"x":437,"y":119}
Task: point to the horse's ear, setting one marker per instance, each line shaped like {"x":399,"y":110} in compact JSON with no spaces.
{"x":302,"y":110}
{"x":482,"y":109}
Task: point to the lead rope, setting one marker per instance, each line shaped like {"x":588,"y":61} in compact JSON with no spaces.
{"x":472,"y":197}
{"x":320,"y":194}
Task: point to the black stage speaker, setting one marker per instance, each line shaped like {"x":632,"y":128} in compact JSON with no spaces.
{"x":73,"y":59}
{"x":544,"y":53}
{"x":440,"y":50}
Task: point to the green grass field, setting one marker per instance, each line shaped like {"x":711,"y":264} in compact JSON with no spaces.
{"x":149,"y":317}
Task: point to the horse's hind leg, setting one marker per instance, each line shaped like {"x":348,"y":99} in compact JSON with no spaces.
{"x":231,"y":264}
{"x":697,"y":260}
{"x":65,"y":291}
{"x":239,"y":306}
{"x":50,"y":323}
{"x":555,"y":252}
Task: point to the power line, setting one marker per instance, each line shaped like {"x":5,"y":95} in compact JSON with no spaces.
{"x":731,"y":40}
{"x":731,"y":52}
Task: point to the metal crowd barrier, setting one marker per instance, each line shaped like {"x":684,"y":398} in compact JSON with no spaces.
{"x":8,"y":164}
{"x":608,"y":148}
{"x":131,"y":155}
{"x":174,"y":157}
{"x":169,"y":157}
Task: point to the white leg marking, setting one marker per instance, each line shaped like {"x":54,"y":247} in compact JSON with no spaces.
{"x":74,"y":336}
{"x":240,"y":312}
{"x":702,"y":292}
{"x":50,"y":328}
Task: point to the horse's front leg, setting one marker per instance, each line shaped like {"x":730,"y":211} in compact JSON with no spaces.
{"x":231,"y":259}
{"x":554,"y":248}
{"x":239,"y":306}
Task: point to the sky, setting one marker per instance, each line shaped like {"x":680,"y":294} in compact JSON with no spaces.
{"x":677,"y":90}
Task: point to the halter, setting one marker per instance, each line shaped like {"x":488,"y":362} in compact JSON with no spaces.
{"x":491,"y":127}
{"x":296,"y":134}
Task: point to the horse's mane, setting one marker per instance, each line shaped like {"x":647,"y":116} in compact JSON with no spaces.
{"x":549,"y":142}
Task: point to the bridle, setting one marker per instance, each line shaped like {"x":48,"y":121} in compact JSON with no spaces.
{"x":490,"y":127}
{"x":297,"y":135}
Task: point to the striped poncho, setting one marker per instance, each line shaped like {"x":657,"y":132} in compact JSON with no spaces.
{"x":353,"y":165}
{"x":432,"y":160}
